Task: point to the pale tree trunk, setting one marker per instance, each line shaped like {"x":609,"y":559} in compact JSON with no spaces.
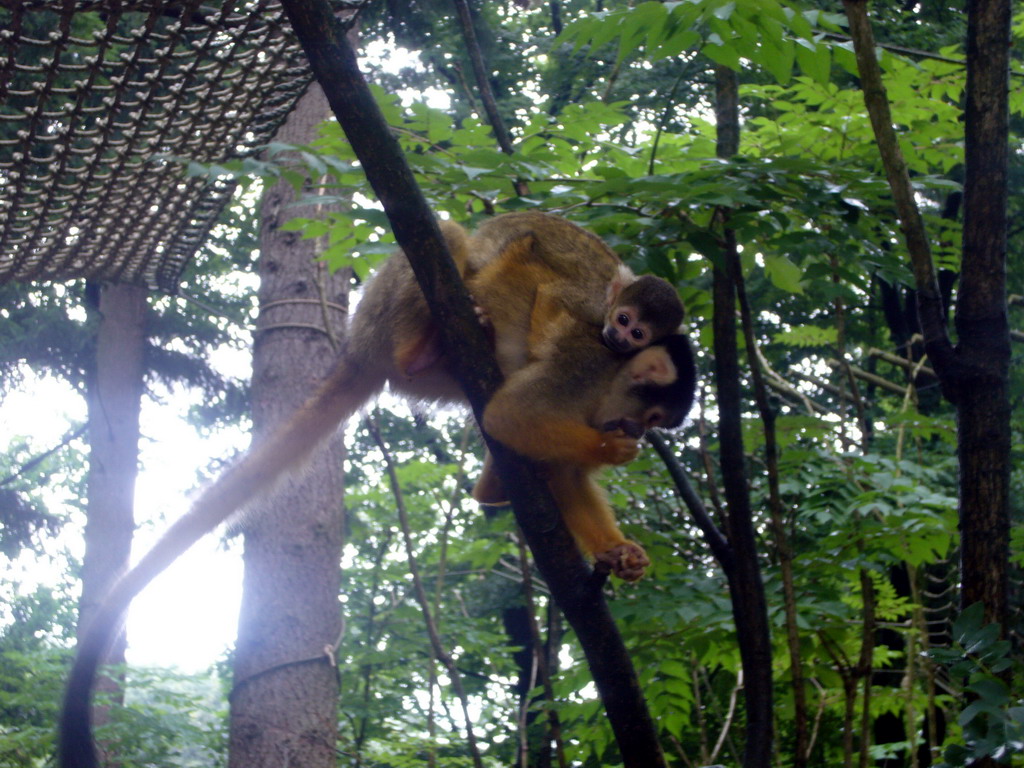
{"x":284,"y":700}
{"x":114,"y":398}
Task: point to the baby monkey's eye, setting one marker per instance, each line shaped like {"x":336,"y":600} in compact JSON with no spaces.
{"x":622,"y":319}
{"x":638,"y":334}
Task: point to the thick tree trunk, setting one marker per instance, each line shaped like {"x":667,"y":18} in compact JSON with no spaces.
{"x":114,"y":398}
{"x":983,"y":410}
{"x":284,"y":701}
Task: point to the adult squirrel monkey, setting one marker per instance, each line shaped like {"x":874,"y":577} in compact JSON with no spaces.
{"x":553,"y":337}
{"x":571,"y":398}
{"x":581,"y":406}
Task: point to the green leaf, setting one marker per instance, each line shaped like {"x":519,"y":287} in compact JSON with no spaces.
{"x":806,"y":336}
{"x":784,"y":274}
{"x":644,"y":21}
{"x":814,"y":60}
{"x":721,"y":53}
{"x":778,"y":59}
{"x":968,"y":622}
{"x":679,"y":41}
{"x":724,"y":11}
{"x":991,"y":691}
{"x":675,"y":669}
{"x":974,"y":709}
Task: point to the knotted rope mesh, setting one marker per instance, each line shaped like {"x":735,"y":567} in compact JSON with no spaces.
{"x":98,"y":99}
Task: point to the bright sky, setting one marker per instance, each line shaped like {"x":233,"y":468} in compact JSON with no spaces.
{"x":188,"y":616}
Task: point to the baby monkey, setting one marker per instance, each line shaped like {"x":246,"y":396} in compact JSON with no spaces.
{"x":533,"y":272}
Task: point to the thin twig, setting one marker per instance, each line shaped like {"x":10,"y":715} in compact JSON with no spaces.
{"x":730,"y":714}
{"x":873,"y":378}
{"x":540,"y":659}
{"x":712,"y":535}
{"x":38,"y":459}
{"x":902,"y":362}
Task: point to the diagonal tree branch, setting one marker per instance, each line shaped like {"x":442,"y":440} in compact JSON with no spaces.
{"x":569,"y":578}
{"x":715,"y":539}
{"x":483,"y":84}
{"x":929,"y":297}
{"x":975,"y":375}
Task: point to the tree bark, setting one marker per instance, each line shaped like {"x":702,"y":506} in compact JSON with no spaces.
{"x":284,"y":700}
{"x":982,"y":323}
{"x":114,"y":400}
{"x":750,"y":610}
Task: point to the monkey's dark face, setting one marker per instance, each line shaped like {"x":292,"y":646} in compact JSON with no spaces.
{"x":654,"y":388}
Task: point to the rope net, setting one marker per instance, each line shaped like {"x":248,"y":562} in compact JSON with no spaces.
{"x":97,"y":102}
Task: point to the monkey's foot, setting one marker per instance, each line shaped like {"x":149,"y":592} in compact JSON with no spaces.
{"x":627,"y":561}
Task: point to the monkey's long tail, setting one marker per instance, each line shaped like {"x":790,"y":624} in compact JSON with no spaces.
{"x":287,"y":448}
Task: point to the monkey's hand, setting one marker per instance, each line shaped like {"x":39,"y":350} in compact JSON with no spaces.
{"x":627,"y":561}
{"x":617,"y":447}
{"x":631,"y":427}
{"x":486,"y":323}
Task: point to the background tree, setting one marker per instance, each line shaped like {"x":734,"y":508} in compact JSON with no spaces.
{"x":285,"y":682}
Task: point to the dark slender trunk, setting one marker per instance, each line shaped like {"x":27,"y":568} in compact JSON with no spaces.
{"x":746,"y":588}
{"x":114,"y":400}
{"x":284,"y":700}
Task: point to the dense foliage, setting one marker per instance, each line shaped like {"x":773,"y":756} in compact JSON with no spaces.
{"x":611,"y":122}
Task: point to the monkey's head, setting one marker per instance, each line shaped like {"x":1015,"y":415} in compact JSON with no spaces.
{"x":654,"y":388}
{"x":640,"y":312}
